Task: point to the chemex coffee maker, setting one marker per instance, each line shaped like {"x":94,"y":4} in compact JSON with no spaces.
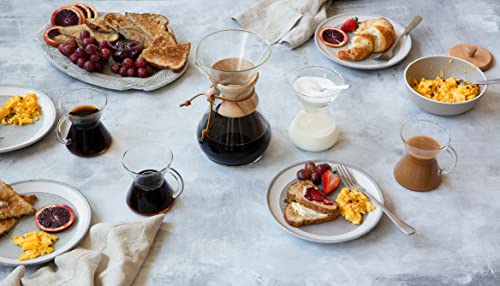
{"x":232,"y":132}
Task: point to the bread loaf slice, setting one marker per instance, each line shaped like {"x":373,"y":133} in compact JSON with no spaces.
{"x":297,"y":215}
{"x":296,"y":194}
{"x":165,"y":53}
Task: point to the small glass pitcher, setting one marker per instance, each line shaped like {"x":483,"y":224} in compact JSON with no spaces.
{"x":418,"y":169}
{"x":86,"y":135}
{"x":150,"y":192}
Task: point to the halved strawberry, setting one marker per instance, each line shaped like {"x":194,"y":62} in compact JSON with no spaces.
{"x":330,"y":181}
{"x":350,"y":25}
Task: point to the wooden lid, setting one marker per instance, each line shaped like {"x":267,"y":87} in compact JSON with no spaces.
{"x":475,"y":54}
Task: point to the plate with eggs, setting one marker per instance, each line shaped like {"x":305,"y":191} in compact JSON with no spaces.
{"x":26,"y":116}
{"x":310,"y":201}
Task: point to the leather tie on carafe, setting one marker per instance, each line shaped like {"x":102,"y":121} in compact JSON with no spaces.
{"x":238,"y":94}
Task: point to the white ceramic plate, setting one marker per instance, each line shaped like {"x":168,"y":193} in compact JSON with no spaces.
{"x":16,"y":137}
{"x":107,"y":79}
{"x":335,"y":231}
{"x":48,"y":192}
{"x":401,"y":51}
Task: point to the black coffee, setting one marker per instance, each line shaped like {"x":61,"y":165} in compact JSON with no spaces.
{"x":87,"y":136}
{"x":150,"y":194}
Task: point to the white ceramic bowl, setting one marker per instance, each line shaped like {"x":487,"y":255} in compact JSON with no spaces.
{"x":429,"y":68}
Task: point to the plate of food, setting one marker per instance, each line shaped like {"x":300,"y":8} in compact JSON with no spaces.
{"x":310,"y":201}
{"x":118,"y":51}
{"x":39,"y":220}
{"x":354,"y":41}
{"x":26,"y":115}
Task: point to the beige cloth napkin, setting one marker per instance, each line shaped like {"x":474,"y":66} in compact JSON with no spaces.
{"x":284,"y":21}
{"x":111,"y":254}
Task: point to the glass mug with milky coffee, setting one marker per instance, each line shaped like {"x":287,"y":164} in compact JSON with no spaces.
{"x":155,"y":184}
{"x":418,"y":169}
{"x":86,"y":135}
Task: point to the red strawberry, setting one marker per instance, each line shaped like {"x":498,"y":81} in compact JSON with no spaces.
{"x":350,"y":25}
{"x":330,"y":181}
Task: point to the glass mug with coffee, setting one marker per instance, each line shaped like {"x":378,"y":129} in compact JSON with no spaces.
{"x":152,"y":191}
{"x":418,"y":169}
{"x":87,"y":136}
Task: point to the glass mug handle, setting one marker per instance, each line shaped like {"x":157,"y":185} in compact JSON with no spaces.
{"x":180,"y":182}
{"x":453,"y":154}
{"x":59,"y":135}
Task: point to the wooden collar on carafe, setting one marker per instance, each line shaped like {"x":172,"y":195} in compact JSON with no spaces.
{"x":237,"y":101}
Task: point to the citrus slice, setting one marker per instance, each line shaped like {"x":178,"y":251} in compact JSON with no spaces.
{"x":51,"y":36}
{"x":54,"y":218}
{"x":83,"y":8}
{"x":67,"y":16}
{"x":333,"y":37}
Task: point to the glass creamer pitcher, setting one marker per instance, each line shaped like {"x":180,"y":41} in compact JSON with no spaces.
{"x":419,"y":170}
{"x":232,"y":132}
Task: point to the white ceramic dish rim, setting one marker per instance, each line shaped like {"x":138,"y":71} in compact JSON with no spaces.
{"x":45,"y":129}
{"x":356,"y":65}
{"x":483,"y":90}
{"x":325,"y":241}
{"x":84,"y":218}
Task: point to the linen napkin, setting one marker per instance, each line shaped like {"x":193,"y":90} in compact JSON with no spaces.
{"x":284,"y":21}
{"x":111,"y":254}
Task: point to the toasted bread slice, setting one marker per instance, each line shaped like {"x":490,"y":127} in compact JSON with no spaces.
{"x":11,"y":204}
{"x":296,"y":194}
{"x":152,"y":25}
{"x":98,"y":24}
{"x":165,"y":55}
{"x":128,"y":29}
{"x":74,"y":32}
{"x":8,"y":224}
{"x":298,"y":215}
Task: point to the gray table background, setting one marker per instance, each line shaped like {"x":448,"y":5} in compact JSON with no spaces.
{"x":220,"y":231}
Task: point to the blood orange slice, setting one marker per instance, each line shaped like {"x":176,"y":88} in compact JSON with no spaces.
{"x":83,"y":8}
{"x":92,"y":9}
{"x":54,"y":218}
{"x":51,"y":34}
{"x":67,"y":16}
{"x":333,"y":37}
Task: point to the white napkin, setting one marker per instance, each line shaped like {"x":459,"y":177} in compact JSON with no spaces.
{"x":111,"y":254}
{"x":284,"y":21}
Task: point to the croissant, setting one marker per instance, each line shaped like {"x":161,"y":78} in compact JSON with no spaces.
{"x":372,"y":36}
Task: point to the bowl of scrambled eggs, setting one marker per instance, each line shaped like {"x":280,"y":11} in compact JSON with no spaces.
{"x":442,"y":85}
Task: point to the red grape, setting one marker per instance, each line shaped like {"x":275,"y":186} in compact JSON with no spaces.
{"x":89,"y":41}
{"x":73,"y":58}
{"x":321,"y":168}
{"x":123,"y":71}
{"x":95,"y":58}
{"x":84,"y":35}
{"x":89,"y":66}
{"x":131,"y":72}
{"x":316,"y":178}
{"x":71,"y":42}
{"x":80,"y":62}
{"x":68,"y":50}
{"x":128,"y":62}
{"x":310,"y":166}
{"x":150,"y":69}
{"x":303,"y":174}
{"x":91,"y":49}
{"x":61,"y":48}
{"x":104,"y":45}
{"x":80,"y":52}
{"x":141,"y":63}
{"x":105,"y":53}
{"x":142,"y":72}
{"x":115,"y":68}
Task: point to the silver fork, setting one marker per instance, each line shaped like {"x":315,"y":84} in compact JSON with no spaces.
{"x":387,"y":55}
{"x":351,"y":182}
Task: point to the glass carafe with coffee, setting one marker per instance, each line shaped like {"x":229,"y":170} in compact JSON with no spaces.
{"x":418,"y":169}
{"x":85,"y":134}
{"x":155,"y":184}
{"x":232,"y":132}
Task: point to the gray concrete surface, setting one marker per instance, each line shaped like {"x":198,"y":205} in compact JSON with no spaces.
{"x":220,"y":231}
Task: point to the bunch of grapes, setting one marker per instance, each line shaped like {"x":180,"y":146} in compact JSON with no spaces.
{"x":90,"y":56}
{"x":132,"y":68}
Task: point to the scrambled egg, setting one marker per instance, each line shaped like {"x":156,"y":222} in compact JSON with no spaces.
{"x":446,"y":90}
{"x":20,"y":110}
{"x":34,"y":244}
{"x":353,"y":204}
